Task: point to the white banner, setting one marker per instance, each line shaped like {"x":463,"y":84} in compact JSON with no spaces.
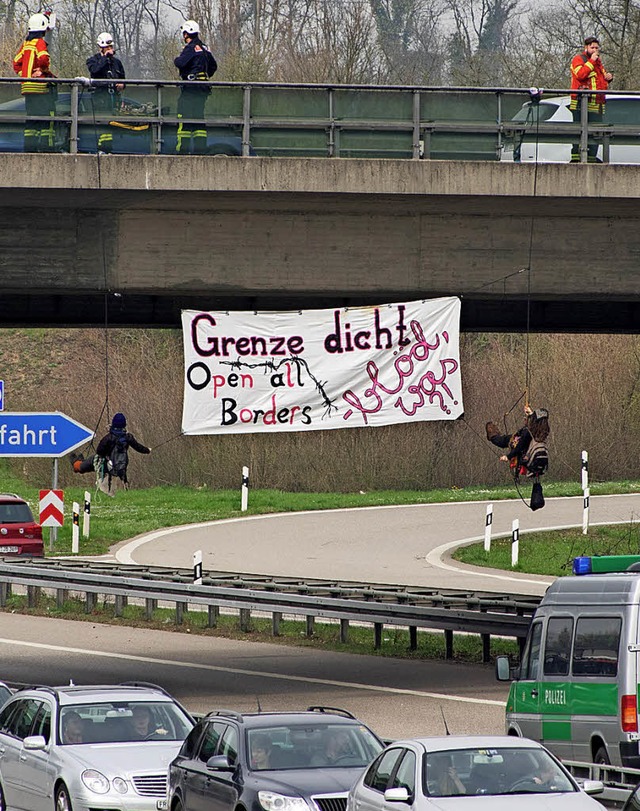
{"x":251,"y":372}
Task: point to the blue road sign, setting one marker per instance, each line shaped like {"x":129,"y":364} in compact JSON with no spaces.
{"x":30,"y":434}
{"x":1,"y":395}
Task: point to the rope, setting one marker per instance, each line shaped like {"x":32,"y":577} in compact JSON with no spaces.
{"x":160,"y":444}
{"x":533,"y":105}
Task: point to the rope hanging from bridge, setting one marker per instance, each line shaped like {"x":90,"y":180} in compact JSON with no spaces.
{"x":525,"y":447}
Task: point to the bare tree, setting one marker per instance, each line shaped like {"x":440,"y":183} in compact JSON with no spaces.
{"x":411,"y":40}
{"x":479,"y":43}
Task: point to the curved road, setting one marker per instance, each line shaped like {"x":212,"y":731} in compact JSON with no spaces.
{"x":399,"y":545}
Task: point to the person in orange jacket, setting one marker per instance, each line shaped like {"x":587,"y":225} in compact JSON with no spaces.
{"x":588,"y":73}
{"x":32,"y":62}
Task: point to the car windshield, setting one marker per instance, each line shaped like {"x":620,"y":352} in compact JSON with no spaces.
{"x":121,"y":721}
{"x":535,"y":112}
{"x":509,"y":770}
{"x":311,"y":746}
{"x":15,"y":513}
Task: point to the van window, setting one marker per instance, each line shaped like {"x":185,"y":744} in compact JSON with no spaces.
{"x":531,"y":659}
{"x":595,"y":650}
{"x":557,"y":646}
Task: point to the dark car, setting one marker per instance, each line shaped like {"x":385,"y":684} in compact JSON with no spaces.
{"x":132,"y":130}
{"x":633,"y":802}
{"x":287,"y":761}
{"x":20,"y":534}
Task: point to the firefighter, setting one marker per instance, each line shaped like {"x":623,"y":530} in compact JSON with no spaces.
{"x":197,"y":65}
{"x":32,"y":62}
{"x":106,"y":97}
{"x":588,"y":73}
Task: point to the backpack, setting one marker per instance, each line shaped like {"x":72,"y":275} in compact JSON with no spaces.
{"x":119,"y":457}
{"x":536,"y":459}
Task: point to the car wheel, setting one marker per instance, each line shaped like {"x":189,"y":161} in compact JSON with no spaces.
{"x":602,"y":757}
{"x":3,"y":805}
{"x":177,"y":805}
{"x":63,"y":801}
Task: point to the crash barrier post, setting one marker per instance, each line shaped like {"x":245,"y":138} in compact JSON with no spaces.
{"x":75,"y":529}
{"x":515,"y":542}
{"x":585,"y":511}
{"x":585,"y":470}
{"x":197,"y":567}
{"x":245,"y":489}
{"x":86,"y":515}
{"x":488,"y":521}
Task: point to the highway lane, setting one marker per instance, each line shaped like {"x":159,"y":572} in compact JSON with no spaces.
{"x":401,"y":545}
{"x":392,"y":544}
{"x":395,"y":697}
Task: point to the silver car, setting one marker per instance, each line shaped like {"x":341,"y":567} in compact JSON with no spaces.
{"x":442,"y":773}
{"x":88,"y":747}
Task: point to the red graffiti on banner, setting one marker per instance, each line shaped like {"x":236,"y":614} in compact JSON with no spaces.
{"x":429,"y":388}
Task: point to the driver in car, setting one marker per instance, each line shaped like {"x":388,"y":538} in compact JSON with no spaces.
{"x":142,"y":724}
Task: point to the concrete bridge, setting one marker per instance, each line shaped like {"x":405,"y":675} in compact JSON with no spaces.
{"x":150,"y":235}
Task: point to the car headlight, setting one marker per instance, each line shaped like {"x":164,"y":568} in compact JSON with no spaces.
{"x":95,"y":781}
{"x":271,"y":801}
{"x":120,"y":785}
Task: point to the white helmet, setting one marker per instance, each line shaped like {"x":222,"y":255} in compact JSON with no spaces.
{"x":38,"y":22}
{"x":190,"y":27}
{"x":105,"y":40}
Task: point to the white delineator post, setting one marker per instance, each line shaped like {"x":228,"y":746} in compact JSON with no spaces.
{"x":245,"y":489}
{"x":86,"y":515}
{"x":75,"y":529}
{"x":515,"y":542}
{"x":585,"y":511}
{"x":488,"y":521}
{"x":197,"y":567}
{"x":585,"y":470}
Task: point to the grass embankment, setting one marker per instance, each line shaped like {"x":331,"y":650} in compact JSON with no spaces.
{"x":552,"y":553}
{"x":137,"y":511}
{"x":134,"y":512}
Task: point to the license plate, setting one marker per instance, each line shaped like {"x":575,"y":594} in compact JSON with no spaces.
{"x":161,"y":805}
{"x":6,"y":549}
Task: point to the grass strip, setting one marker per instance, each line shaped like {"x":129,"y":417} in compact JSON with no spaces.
{"x":552,"y":552}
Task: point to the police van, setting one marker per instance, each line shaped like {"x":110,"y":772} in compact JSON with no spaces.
{"x":576,"y":689}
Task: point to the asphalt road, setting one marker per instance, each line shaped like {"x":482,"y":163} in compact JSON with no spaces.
{"x":395,"y":697}
{"x":399,"y":545}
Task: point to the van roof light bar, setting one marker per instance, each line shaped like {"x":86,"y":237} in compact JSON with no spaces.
{"x":605,"y":564}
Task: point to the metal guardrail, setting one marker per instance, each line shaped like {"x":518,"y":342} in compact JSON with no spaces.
{"x":450,"y":611}
{"x":327,"y":120}
{"x":618,"y":782}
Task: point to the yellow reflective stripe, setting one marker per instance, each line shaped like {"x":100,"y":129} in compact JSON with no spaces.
{"x":34,"y":87}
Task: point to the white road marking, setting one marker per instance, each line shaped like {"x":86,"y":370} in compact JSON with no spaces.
{"x":434,"y":558}
{"x":259,"y":673}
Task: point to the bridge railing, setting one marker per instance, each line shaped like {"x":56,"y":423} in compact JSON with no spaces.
{"x":309,"y":120}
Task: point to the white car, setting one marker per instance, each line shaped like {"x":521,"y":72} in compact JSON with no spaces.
{"x":501,"y":773}
{"x":619,"y":111}
{"x":80,"y":748}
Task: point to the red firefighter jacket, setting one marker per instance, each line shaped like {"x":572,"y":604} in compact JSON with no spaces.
{"x":32,"y":55}
{"x":586,"y":75}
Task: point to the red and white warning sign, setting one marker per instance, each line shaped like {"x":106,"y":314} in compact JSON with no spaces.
{"x":51,"y":508}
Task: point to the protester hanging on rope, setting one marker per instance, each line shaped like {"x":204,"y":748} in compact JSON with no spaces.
{"x":111,"y":458}
{"x":527,"y":452}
